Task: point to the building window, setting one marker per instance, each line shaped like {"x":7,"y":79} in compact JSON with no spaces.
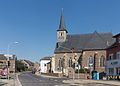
{"x":45,"y":65}
{"x":110,"y":57}
{"x":57,"y":45}
{"x":119,"y":40}
{"x":102,"y":61}
{"x":61,"y":34}
{"x":118,"y":70}
{"x":118,"y":55}
{"x":59,"y":64}
{"x":70,"y":62}
{"x":111,"y":71}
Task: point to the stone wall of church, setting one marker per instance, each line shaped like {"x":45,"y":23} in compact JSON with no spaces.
{"x":95,"y":54}
{"x":65,"y":57}
{"x":85,"y":60}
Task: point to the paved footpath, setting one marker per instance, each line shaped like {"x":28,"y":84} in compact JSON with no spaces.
{"x":81,"y":81}
{"x":11,"y":82}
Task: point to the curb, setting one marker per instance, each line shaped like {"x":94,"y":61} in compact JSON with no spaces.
{"x":92,"y":81}
{"x":18,"y":81}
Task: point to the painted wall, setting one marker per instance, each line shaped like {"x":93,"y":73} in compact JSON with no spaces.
{"x":43,"y":66}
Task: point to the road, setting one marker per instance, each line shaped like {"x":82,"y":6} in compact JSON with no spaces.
{"x":29,"y":79}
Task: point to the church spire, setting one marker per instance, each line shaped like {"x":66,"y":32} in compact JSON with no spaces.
{"x":62,"y":23}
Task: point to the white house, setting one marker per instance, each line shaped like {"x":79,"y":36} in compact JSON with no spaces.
{"x":43,"y":64}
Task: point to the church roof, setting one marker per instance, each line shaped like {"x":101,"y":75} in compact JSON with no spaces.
{"x":46,"y":58}
{"x":79,"y":42}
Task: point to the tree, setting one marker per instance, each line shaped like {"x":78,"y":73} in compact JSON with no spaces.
{"x":80,"y":60}
{"x":20,"y":66}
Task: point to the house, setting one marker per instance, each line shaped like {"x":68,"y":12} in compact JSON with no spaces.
{"x":37,"y":66}
{"x":74,"y":51}
{"x":8,"y":60}
{"x":29,"y":64}
{"x":113,"y":57}
{"x":43,"y":64}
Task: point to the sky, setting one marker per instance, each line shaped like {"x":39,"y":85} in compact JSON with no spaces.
{"x":33,"y":23}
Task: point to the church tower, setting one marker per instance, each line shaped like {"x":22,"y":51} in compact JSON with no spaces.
{"x":61,"y":32}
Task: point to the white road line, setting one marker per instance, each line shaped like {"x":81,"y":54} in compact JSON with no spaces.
{"x":55,"y":80}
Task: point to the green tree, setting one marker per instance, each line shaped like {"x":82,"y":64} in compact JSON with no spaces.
{"x":20,"y":66}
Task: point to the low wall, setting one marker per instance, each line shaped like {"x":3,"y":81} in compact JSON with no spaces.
{"x":80,"y":76}
{"x":76,"y":76}
{"x":53,"y":74}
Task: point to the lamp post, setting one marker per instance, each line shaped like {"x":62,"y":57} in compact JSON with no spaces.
{"x":8,"y":48}
{"x":73,"y":60}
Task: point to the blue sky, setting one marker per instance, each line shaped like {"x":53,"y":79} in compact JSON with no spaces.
{"x":33,"y":23}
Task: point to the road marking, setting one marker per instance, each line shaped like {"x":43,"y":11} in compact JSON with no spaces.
{"x":67,"y":85}
{"x":55,"y":80}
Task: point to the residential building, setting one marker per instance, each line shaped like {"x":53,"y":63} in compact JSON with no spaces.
{"x":37,"y":66}
{"x":29,"y":64}
{"x":74,"y":51}
{"x":8,"y":61}
{"x":113,"y":57}
{"x":43,"y":64}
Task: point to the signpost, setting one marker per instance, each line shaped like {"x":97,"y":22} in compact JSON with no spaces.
{"x":91,"y":62}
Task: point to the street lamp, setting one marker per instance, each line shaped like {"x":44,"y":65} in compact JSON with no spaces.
{"x":10,"y":45}
{"x":9,"y":56}
{"x":73,"y":55}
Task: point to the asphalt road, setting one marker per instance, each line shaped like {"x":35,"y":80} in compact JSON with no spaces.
{"x":29,"y":79}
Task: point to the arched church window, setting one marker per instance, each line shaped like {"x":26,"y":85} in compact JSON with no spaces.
{"x":102,"y":61}
{"x":61,"y":34}
{"x":59,"y":64}
{"x":70,"y":62}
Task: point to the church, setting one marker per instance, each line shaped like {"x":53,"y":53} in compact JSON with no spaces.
{"x":80,"y":51}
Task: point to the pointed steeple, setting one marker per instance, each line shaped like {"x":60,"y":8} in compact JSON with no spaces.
{"x":62,"y":23}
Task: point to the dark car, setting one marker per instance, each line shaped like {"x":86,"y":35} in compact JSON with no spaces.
{"x":33,"y":70}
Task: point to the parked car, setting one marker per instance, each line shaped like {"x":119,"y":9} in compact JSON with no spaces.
{"x":3,"y":73}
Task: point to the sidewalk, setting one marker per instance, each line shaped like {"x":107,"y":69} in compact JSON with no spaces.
{"x":81,"y":81}
{"x":42,"y":75}
{"x":11,"y":82}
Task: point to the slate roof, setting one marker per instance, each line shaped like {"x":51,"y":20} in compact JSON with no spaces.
{"x":46,"y":58}
{"x":116,"y":44}
{"x":29,"y":62}
{"x":2,"y":57}
{"x":62,"y":26}
{"x":91,"y":41}
{"x":116,"y":35}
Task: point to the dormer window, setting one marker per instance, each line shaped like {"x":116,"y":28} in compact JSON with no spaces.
{"x":119,"y":40}
{"x":110,"y":57}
